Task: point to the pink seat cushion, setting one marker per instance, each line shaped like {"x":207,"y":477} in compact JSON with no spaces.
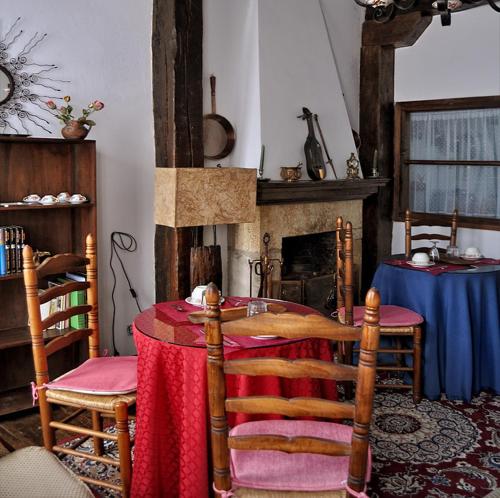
{"x":106,"y":375}
{"x":390,"y":316}
{"x":277,"y":470}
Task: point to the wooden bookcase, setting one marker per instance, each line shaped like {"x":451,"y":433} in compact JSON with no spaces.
{"x":42,"y":166}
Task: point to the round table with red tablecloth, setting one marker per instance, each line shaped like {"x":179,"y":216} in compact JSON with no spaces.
{"x":171,"y":453}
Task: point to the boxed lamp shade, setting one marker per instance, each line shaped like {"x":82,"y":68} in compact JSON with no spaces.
{"x":192,"y":197}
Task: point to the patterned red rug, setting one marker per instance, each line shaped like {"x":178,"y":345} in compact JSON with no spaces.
{"x":436,"y":449}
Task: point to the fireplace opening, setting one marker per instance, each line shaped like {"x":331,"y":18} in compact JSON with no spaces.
{"x":308,"y":272}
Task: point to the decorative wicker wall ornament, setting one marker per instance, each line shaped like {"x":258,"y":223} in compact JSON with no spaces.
{"x":26,"y":84}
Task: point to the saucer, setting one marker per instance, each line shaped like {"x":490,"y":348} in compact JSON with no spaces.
{"x":472,"y":258}
{"x":421,"y":265}
{"x":198,"y":304}
{"x":264,"y":337}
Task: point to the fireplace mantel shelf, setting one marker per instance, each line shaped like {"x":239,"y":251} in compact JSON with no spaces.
{"x":279,"y":192}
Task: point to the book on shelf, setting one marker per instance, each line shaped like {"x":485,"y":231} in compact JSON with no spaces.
{"x":77,"y":276}
{"x":76,"y":298}
{"x":3,"y":263}
{"x":12,"y":249}
{"x":12,"y":239}
{"x":59,"y":303}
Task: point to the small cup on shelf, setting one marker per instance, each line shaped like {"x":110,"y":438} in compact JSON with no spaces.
{"x":32,"y":198}
{"x":64,"y":197}
{"x":49,"y":199}
{"x":77,"y":199}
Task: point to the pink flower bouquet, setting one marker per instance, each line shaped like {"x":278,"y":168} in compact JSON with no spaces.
{"x":64,"y":112}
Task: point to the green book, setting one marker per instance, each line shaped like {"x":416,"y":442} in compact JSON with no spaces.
{"x":76,"y":298}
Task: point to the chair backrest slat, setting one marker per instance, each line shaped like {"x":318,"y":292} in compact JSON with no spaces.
{"x":61,"y":263}
{"x":294,"y":326}
{"x":61,"y":316}
{"x":291,"y":407}
{"x":291,"y":326}
{"x":292,"y":369}
{"x":34,"y":278}
{"x":287,"y":444}
{"x":413,"y":220}
{"x":65,"y":340}
{"x":61,"y":290}
{"x":428,"y":236}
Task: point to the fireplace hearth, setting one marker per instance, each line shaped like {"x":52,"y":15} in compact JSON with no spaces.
{"x":308,"y":272}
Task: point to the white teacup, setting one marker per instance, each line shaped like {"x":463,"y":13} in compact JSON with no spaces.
{"x":420,"y":258}
{"x":49,"y":199}
{"x":77,"y":199}
{"x":473,"y":252}
{"x":32,"y":198}
{"x":64,"y":197}
{"x":198,"y":294}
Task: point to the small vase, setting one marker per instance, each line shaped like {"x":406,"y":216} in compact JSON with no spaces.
{"x":74,"y":130}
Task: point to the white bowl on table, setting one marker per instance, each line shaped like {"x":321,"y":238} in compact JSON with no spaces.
{"x":420,"y":259}
{"x":472,"y":253}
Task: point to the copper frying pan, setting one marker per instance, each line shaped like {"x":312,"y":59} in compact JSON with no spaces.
{"x":218,"y":133}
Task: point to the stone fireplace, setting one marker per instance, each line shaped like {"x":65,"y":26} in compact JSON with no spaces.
{"x":282,"y":222}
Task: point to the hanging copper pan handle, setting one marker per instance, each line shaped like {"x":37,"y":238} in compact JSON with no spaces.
{"x":218,"y":133}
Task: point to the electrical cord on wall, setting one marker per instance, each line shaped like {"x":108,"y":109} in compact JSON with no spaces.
{"x":124,"y":242}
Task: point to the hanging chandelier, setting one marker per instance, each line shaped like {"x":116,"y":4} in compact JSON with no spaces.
{"x":385,"y":10}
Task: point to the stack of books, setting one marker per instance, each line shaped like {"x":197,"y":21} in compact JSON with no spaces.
{"x":61,"y":303}
{"x":11,"y":248}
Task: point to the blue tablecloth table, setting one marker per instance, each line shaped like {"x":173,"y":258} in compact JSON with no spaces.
{"x":461,"y":353}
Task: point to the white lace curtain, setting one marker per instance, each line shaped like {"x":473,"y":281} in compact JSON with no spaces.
{"x":466,"y":135}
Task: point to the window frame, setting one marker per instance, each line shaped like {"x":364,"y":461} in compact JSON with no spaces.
{"x":402,"y":111}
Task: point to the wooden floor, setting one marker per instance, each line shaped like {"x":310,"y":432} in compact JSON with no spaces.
{"x":21,"y":430}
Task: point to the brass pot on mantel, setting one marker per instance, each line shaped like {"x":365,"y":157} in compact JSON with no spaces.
{"x":291,"y":173}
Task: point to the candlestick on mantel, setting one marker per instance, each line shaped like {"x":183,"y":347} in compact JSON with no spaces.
{"x":375,"y":171}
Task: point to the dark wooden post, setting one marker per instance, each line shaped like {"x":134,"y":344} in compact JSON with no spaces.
{"x":379,"y":42}
{"x":178,"y":122}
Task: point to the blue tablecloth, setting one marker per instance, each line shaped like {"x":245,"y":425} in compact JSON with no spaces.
{"x":461,"y":353}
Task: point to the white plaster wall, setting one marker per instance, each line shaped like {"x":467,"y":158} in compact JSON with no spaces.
{"x":231,"y":53}
{"x":103,"y":48}
{"x":345,"y":20}
{"x":270,"y":59}
{"x":297,"y":69}
{"x":462,"y":60}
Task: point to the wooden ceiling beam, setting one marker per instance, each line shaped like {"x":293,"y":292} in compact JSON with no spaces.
{"x":403,"y":31}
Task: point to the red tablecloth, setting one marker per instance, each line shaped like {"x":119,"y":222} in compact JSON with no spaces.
{"x":171,"y":448}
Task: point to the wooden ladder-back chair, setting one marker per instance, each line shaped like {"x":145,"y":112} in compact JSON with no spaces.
{"x":412,"y":220}
{"x":395,"y":321}
{"x":114,"y":406}
{"x":290,"y":458}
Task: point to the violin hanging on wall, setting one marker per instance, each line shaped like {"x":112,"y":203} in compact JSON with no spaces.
{"x":315,"y":164}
